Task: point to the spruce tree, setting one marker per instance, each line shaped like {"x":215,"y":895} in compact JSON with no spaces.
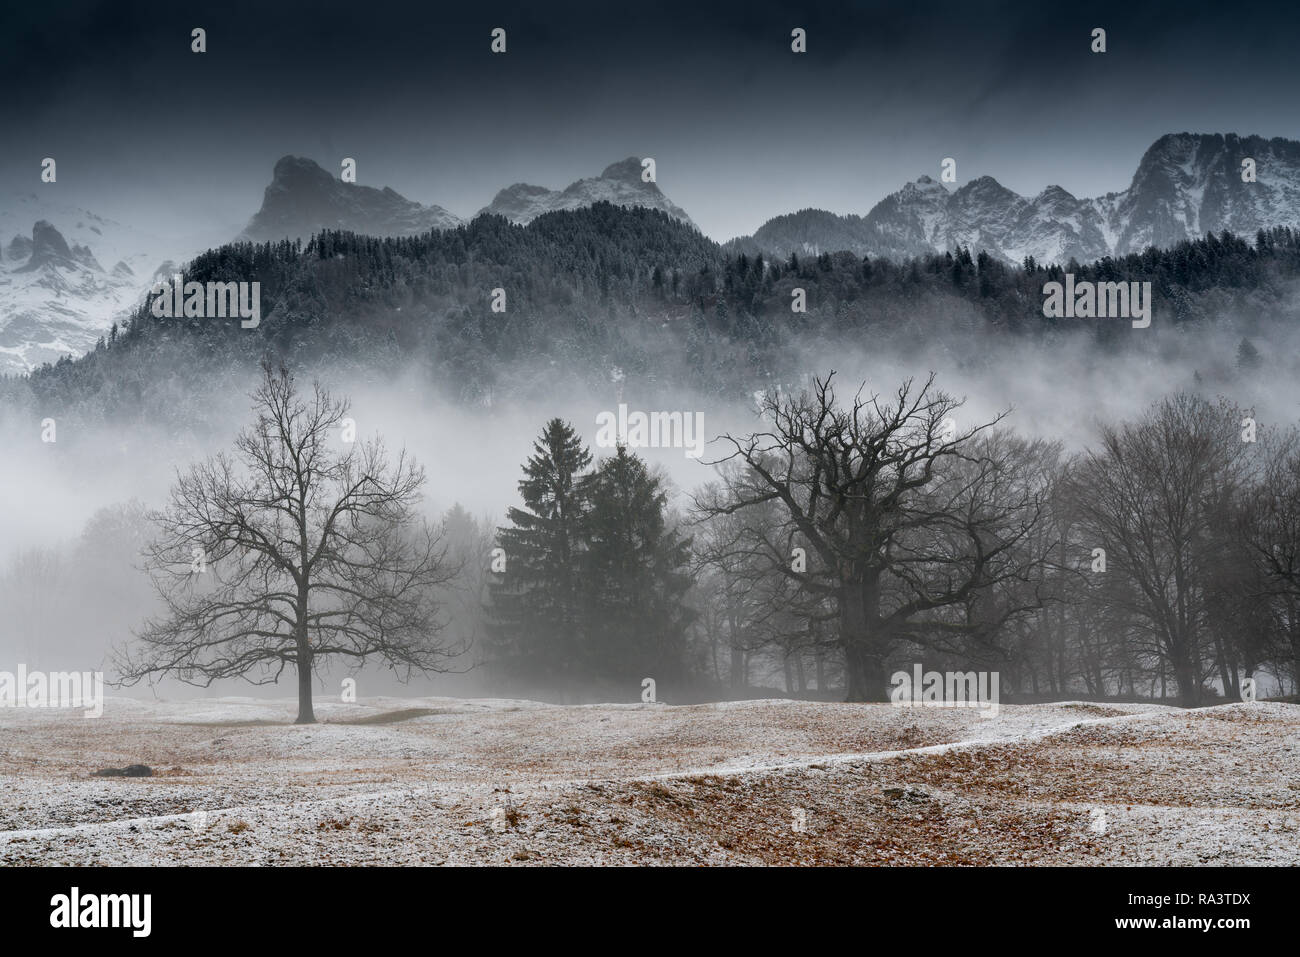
{"x":536,"y":623}
{"x":635,"y":576}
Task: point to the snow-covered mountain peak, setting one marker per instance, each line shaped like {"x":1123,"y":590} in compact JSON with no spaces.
{"x":1186,"y":184}
{"x":620,"y":184}
{"x":627,"y":171}
{"x":55,"y":296}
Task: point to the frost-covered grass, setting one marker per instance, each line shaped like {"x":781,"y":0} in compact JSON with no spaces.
{"x":439,"y":780}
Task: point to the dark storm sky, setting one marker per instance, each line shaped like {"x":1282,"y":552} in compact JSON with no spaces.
{"x":741,"y":128}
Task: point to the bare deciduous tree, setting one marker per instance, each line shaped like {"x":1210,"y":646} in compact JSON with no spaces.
{"x":1270,"y":527}
{"x":901,"y":514}
{"x":295,"y":549}
{"x":1147,"y":496}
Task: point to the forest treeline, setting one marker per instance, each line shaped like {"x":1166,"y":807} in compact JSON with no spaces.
{"x":606,"y":288}
{"x":859,"y":534}
{"x":850,"y":535}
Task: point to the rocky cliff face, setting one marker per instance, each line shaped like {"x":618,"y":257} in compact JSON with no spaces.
{"x":303,"y":199}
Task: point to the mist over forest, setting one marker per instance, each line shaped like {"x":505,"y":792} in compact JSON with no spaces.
{"x":742,"y":434}
{"x":607,"y":306}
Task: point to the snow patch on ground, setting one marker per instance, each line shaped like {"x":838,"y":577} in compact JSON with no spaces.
{"x":443,"y":780}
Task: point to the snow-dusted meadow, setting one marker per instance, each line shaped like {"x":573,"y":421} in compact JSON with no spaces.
{"x":456,"y":781}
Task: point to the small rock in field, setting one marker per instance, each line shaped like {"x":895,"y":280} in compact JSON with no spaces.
{"x":130,"y":771}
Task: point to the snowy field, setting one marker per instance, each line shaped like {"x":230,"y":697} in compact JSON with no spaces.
{"x":454,"y":781}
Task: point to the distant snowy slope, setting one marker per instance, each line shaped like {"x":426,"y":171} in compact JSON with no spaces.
{"x":1185,"y":186}
{"x":620,"y":184}
{"x":65,"y":275}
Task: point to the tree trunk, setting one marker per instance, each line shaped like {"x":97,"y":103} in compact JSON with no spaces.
{"x":737,"y":668}
{"x":1295,"y":654}
{"x":713,"y":648}
{"x":860,"y":630}
{"x":1295,"y":645}
{"x":1221,"y":662}
{"x":866,"y":674}
{"x":1188,"y":687}
{"x":305,"y":713}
